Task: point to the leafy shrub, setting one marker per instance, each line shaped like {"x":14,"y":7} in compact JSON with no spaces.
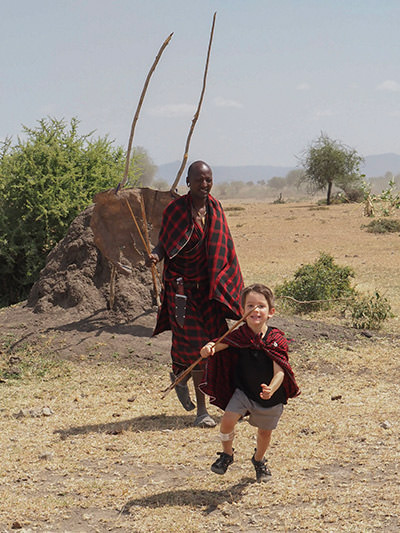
{"x":323,"y":280}
{"x":383,"y":225}
{"x":46,"y":180}
{"x":369,"y":312}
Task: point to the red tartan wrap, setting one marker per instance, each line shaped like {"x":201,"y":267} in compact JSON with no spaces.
{"x":219,"y":376}
{"x":214,"y":265}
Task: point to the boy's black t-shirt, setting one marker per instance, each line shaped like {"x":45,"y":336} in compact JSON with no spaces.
{"x":253,"y":368}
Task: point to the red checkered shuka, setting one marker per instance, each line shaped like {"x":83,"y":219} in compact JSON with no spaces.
{"x":219,"y":375}
{"x":206,"y":259}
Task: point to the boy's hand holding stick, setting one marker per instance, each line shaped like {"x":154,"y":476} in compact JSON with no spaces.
{"x":190,"y":368}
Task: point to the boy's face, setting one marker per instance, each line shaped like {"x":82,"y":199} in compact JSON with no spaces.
{"x":259,"y":316}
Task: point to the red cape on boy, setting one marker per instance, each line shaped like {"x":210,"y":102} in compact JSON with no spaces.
{"x":219,"y":375}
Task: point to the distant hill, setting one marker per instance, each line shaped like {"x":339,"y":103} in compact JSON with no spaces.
{"x":378,"y":165}
{"x":374,"y":166}
{"x":226,"y":174}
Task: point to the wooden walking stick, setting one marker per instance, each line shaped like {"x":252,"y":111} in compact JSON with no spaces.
{"x":190,"y":368}
{"x":113,"y":276}
{"x":196,"y":115}
{"x":146,"y":246}
{"x":146,"y":234}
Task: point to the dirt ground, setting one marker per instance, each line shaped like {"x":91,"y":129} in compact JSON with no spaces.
{"x":87,"y":445}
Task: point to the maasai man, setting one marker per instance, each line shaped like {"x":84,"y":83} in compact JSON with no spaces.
{"x":202,"y":280}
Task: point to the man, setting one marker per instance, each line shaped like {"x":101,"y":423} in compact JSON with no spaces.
{"x":202,"y":279}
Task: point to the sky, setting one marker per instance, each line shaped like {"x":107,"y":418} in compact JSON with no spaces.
{"x":281,"y":72}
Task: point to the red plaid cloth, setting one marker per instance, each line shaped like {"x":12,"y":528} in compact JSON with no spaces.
{"x":219,"y":377}
{"x":207,"y":257}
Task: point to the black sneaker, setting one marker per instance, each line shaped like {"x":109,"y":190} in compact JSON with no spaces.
{"x":263,"y":473}
{"x":221,"y":464}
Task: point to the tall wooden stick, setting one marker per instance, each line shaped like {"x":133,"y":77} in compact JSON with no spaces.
{"x":113,"y":276}
{"x":135,"y":118}
{"x":190,"y":368}
{"x":146,"y":234}
{"x":146,"y":247}
{"x":196,"y":115}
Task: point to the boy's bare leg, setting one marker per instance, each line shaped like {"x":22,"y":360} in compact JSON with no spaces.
{"x":263,"y":440}
{"x":228,"y":424}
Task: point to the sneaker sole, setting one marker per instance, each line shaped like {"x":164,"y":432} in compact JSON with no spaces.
{"x":217,"y":471}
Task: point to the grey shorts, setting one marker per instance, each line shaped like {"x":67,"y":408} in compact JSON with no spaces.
{"x":261,"y":417}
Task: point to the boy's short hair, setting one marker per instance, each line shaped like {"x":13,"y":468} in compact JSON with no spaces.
{"x":260,"y":289}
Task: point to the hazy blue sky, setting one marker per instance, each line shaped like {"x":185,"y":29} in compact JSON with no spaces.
{"x":281,"y":72}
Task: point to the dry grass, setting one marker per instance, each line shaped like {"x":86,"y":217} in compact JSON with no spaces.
{"x":103,"y":463}
{"x":274,"y":240}
{"x":113,"y":457}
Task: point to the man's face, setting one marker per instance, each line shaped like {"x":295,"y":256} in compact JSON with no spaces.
{"x":200,"y":182}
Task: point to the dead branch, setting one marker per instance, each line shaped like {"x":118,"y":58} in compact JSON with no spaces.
{"x":317,"y":301}
{"x":135,"y":118}
{"x":196,"y":115}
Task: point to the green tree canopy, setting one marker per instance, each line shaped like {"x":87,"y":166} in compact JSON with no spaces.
{"x":46,"y":179}
{"x":328,"y":162}
{"x":145,"y":169}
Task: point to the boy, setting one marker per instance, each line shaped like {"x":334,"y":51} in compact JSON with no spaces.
{"x":263,"y":378}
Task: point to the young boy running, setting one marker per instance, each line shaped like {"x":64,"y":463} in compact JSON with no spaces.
{"x":262,"y":379}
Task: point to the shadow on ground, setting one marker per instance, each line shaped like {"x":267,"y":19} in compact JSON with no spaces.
{"x":141,"y":423}
{"x":210,"y":499}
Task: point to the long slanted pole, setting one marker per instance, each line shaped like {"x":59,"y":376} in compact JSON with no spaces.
{"x":190,"y":368}
{"x":196,"y":115}
{"x":129,"y":149}
{"x":145,"y":244}
{"x":135,"y":118}
{"x":148,"y":250}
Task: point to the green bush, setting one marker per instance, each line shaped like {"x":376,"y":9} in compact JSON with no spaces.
{"x":369,"y":312}
{"x":46,"y":180}
{"x":322,"y":280}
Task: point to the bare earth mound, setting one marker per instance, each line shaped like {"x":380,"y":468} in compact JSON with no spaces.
{"x":77,"y":276}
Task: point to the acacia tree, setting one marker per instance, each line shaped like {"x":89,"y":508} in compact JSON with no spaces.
{"x":145,"y":169}
{"x":46,"y":180}
{"x":328,"y":162}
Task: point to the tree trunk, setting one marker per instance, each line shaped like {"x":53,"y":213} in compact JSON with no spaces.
{"x":328,"y":197}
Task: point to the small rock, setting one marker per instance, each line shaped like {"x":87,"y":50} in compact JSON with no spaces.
{"x":367,"y":334}
{"x":385,"y":424}
{"x":22,"y":413}
{"x":131,"y":400}
{"x":46,"y":411}
{"x":47,"y":456}
{"x":35,"y":413}
{"x":336,"y":397}
{"x":16,"y":525}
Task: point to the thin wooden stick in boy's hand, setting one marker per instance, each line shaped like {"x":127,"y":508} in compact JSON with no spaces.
{"x":190,"y":368}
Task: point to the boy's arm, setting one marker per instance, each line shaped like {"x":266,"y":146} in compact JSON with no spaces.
{"x":267,"y":391}
{"x":211,"y":348}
